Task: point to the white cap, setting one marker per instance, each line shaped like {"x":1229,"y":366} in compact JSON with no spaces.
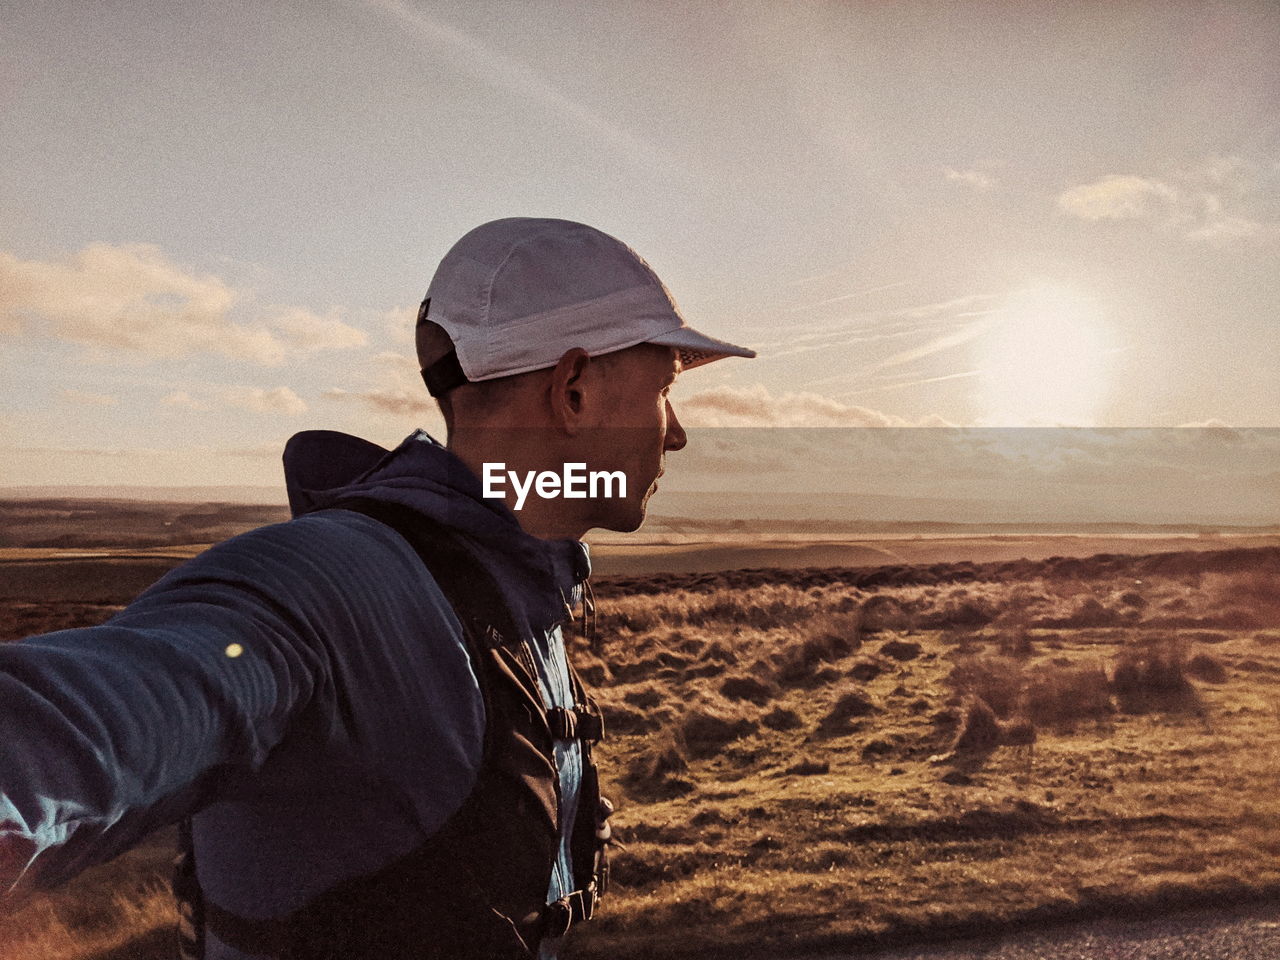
{"x":513,"y":295}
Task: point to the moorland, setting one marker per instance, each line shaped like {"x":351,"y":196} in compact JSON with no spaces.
{"x":810,"y":757}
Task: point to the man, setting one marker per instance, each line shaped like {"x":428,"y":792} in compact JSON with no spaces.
{"x":364,"y":718}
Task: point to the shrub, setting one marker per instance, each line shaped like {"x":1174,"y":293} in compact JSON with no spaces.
{"x":1207,"y":668}
{"x":962,"y":612}
{"x":809,"y":768}
{"x":662,"y":757}
{"x":1090,"y":612}
{"x":596,"y":673}
{"x":979,"y":731}
{"x":1131,"y":598}
{"x":996,"y":681}
{"x":1062,"y":696}
{"x":873,"y":749}
{"x":849,"y":707}
{"x":646,"y":697}
{"x":798,"y":664}
{"x":866,"y":670}
{"x":1019,"y":733}
{"x":705,"y":730}
{"x":881,"y":612}
{"x":1250,"y":597}
{"x":1014,"y":642}
{"x":744,"y":687}
{"x":827,"y":674}
{"x":1238,"y":618}
{"x":781,"y":718}
{"x":1151,"y":677}
{"x":902,"y":650}
{"x":622,"y":719}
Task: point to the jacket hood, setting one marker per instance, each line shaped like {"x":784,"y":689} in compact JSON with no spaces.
{"x":540,"y":576}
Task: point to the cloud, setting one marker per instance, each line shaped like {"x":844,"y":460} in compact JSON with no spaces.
{"x":132,"y":299}
{"x":755,"y":406}
{"x":916,"y":382}
{"x":394,"y":400}
{"x":1207,"y":202}
{"x":279,"y":400}
{"x":129,"y":298}
{"x":512,"y":78}
{"x":1119,"y":198}
{"x":919,"y":319}
{"x":10,"y":317}
{"x":114,"y":452}
{"x":827,"y":301}
{"x":308,"y":331}
{"x":394,"y":386}
{"x":945,"y":342}
{"x":261,"y":451}
{"x":88,"y":399}
{"x":1229,"y":230}
{"x":184,"y":400}
{"x":974,"y":179}
{"x":1213,"y":423}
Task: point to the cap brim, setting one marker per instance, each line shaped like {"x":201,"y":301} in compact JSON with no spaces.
{"x":697,"y":348}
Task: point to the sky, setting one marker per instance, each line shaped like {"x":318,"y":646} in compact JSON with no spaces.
{"x":216,"y":220}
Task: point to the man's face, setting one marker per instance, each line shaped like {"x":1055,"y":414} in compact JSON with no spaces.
{"x":637,"y":428}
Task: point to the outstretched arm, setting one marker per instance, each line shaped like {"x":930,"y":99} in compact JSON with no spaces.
{"x":108,"y":732}
{"x":111,"y":731}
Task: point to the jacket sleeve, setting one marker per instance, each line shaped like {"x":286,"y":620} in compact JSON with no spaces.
{"x":109,"y":732}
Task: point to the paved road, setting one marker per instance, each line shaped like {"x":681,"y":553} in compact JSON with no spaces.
{"x":1247,"y":933}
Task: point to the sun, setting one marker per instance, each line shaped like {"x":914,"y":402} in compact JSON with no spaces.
{"x":1044,"y":359}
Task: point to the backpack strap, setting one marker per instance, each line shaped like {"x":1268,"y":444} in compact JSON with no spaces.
{"x":488,"y":626}
{"x":472,"y":592}
{"x":466,"y":584}
{"x":187,"y":897}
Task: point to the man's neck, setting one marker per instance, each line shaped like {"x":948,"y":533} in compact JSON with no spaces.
{"x":545,"y":518}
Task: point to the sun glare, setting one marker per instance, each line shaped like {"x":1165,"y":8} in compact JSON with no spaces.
{"x":1044,"y":359}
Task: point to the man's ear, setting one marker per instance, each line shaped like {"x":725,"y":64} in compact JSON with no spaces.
{"x":566,"y":390}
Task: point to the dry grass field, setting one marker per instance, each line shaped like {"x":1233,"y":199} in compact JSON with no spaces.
{"x":810,"y":757}
{"x":832,"y":756}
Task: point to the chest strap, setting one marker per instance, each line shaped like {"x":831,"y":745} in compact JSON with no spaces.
{"x":580,"y":723}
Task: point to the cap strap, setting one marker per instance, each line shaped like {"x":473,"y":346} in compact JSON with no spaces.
{"x":443,"y":375}
{"x":446,"y":373}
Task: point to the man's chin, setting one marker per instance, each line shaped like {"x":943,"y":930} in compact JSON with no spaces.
{"x":626,"y":521}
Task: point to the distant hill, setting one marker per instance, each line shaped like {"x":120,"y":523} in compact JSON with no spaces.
{"x":100,"y":523}
{"x":104,"y":522}
{"x":806,"y":512}
{"x":194,"y":494}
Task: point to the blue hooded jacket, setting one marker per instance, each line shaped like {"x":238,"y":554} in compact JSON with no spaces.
{"x":303,"y":690}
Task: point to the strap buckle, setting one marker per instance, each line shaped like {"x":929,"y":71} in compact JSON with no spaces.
{"x":560,"y":916}
{"x":580,"y":723}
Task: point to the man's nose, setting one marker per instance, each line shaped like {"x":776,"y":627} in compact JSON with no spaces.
{"x":676,"y":438}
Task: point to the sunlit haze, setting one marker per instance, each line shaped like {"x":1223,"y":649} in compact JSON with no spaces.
{"x":1045,"y":359}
